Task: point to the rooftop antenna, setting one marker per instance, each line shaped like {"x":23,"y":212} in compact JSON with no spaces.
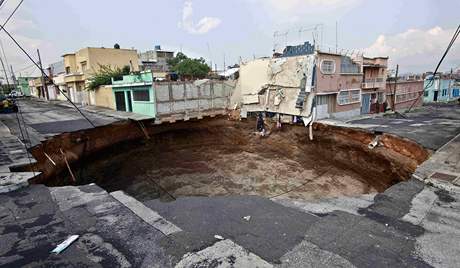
{"x":336,"y":38}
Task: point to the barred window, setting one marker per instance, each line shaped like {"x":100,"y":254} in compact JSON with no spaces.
{"x":328,"y":66}
{"x":343,"y":97}
{"x":355,"y":95}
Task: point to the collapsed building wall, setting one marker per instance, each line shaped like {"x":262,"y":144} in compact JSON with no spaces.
{"x":277,"y":85}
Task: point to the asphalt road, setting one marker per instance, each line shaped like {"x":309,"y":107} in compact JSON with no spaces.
{"x":431,"y":126}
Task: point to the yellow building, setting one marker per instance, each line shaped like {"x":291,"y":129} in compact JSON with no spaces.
{"x":79,"y":66}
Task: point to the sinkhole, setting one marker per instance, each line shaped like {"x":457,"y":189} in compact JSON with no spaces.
{"x":219,"y":157}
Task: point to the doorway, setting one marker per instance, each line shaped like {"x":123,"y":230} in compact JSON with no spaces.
{"x":120,"y":101}
{"x":435,"y":97}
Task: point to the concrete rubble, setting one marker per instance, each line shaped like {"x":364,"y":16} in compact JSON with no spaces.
{"x":276,"y":85}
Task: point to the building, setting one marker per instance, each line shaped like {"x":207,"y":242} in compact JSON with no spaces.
{"x":23,"y":84}
{"x":440,"y":88}
{"x":338,"y":86}
{"x":134,"y":93}
{"x":304,"y":49}
{"x":303,"y":80}
{"x":47,"y":91}
{"x":57,"y":74}
{"x":156,"y":61}
{"x":80,"y":66}
{"x":404,"y":93}
{"x":373,"y":87}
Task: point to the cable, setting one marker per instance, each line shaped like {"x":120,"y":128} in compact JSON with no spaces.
{"x":41,"y":70}
{"x":452,"y":41}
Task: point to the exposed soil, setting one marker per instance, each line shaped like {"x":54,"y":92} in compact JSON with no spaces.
{"x":220,"y":157}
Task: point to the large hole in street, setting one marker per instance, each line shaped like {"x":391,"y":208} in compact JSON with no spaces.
{"x":217,"y":157}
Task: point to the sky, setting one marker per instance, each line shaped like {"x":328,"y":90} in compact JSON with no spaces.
{"x":413,"y":33}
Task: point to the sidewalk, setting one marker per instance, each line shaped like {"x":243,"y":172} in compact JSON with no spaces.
{"x":13,"y":155}
{"x":442,"y":169}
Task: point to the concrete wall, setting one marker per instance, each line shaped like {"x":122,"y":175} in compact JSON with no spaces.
{"x":103,"y":97}
{"x":184,"y":100}
{"x":109,"y":56}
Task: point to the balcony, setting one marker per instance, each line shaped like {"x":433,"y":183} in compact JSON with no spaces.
{"x":378,"y":82}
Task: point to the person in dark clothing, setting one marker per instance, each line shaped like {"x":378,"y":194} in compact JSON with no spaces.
{"x":260,"y":123}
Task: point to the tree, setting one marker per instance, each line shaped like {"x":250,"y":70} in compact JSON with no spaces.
{"x":185,"y":66}
{"x":104,"y":75}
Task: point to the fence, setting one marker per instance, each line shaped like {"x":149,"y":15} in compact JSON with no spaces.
{"x":186,"y":100}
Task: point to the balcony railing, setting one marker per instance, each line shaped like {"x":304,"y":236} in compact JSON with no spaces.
{"x":378,"y":82}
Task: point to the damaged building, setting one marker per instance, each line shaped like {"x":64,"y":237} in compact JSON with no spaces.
{"x":314,"y":85}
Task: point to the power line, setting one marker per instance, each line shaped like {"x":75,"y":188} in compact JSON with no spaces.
{"x":41,"y":70}
{"x":451,"y":43}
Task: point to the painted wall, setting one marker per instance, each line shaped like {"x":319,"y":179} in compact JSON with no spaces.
{"x":129,"y":84}
{"x":443,"y":86}
{"x":336,"y":81}
{"x":407,"y":92}
{"x":103,"y":97}
{"x":23,"y":85}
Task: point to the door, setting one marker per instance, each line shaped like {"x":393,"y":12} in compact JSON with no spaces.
{"x":120,"y":101}
{"x":435,"y":97}
{"x":365,"y":103}
{"x":130,"y":103}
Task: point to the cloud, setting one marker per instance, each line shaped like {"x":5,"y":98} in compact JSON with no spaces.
{"x":288,"y":8}
{"x":25,"y":30}
{"x":416,"y":49}
{"x":203,"y":26}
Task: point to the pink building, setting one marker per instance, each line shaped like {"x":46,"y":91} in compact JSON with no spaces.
{"x":407,"y":92}
{"x":374,"y":84}
{"x":338,"y":86}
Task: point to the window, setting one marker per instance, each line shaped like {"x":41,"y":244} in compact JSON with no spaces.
{"x":83,"y":66}
{"x":343,"y":97}
{"x":348,"y":66}
{"x":425,"y":93}
{"x":321,"y":99}
{"x":141,"y":95}
{"x":355,"y":95}
{"x":328,"y":66}
{"x":67,"y":70}
{"x":455,"y":92}
{"x":349,"y":96}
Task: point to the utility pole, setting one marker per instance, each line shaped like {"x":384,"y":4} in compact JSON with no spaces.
{"x":44,"y":87}
{"x":336,"y":38}
{"x":15,"y":81}
{"x":450,"y":84}
{"x":4,"y":70}
{"x":394,"y":90}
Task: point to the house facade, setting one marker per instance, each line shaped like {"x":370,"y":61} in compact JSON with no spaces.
{"x":334,"y":85}
{"x":81,"y":65}
{"x":404,"y":93}
{"x":134,"y":93}
{"x":374,"y":84}
{"x":337,"y":86}
{"x":23,"y":84}
{"x":440,"y":88}
{"x":156,"y":61}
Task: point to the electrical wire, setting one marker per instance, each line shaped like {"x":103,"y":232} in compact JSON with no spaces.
{"x":36,"y":64}
{"x":430,"y":83}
